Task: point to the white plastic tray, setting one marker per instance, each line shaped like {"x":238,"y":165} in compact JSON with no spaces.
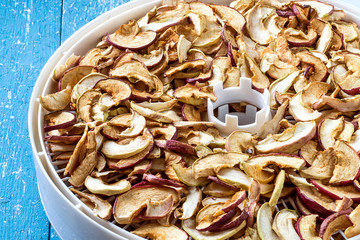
{"x":70,"y":218}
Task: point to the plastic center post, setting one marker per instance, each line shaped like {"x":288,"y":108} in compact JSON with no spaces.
{"x":257,"y":110}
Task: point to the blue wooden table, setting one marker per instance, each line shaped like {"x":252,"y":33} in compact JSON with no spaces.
{"x":31,"y":30}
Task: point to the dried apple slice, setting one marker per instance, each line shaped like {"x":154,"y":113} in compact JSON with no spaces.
{"x":238,"y":178}
{"x":101,"y":208}
{"x":300,"y":112}
{"x":187,"y":176}
{"x":97,"y":186}
{"x":348,"y":30}
{"x":355,"y":141}
{"x":298,"y":38}
{"x":306,"y":227}
{"x":207,"y":221}
{"x":129,"y":36}
{"x":189,"y":226}
{"x":320,"y":70}
{"x":128,"y":205}
{"x":258,"y":78}
{"x":281,"y":86}
{"x":193,"y":95}
{"x":154,"y":115}
{"x":335,"y":222}
{"x":213,"y":163}
{"x":322,"y":167}
{"x":86,"y":83}
{"x":210,"y":35}
{"x":323,"y":9}
{"x":328,"y":130}
{"x":347,"y":167}
{"x":72,"y":76}
{"x":240,"y":142}
{"x":315,"y":201}
{"x":342,"y":105}
{"x":56,"y":101}
{"x":192,"y":203}
{"x":255,"y":25}
{"x":119,"y":90}
{"x":161,"y":181}
{"x":337,"y":192}
{"x":189,"y":113}
{"x":125,"y":149}
{"x":325,"y":40}
{"x":264,"y":223}
{"x":283,"y":224}
{"x":231,"y":17}
{"x":138,"y":123}
{"x":279,"y":185}
{"x":290,"y":140}
{"x":354,"y":230}
{"x":59,"y":120}
{"x":150,"y":60}
{"x":125,"y":163}
{"x":156,"y":231}
{"x":159,"y":106}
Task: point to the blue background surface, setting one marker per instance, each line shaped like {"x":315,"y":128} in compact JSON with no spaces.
{"x":30,"y":32}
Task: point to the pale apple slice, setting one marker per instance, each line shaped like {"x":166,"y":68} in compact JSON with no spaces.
{"x":238,"y":178}
{"x":149,"y":113}
{"x":101,"y":208}
{"x":217,"y":190}
{"x":155,"y":231}
{"x":297,"y":38}
{"x":279,"y":184}
{"x":86,"y":83}
{"x":298,"y":180}
{"x":274,"y":125}
{"x":192,"y":203}
{"x":119,"y":90}
{"x":283,"y":224}
{"x":301,"y":113}
{"x":128,"y":205}
{"x":255,"y":25}
{"x":207,"y":221}
{"x":349,"y":104}
{"x":231,"y":17}
{"x":348,"y":30}
{"x":56,"y":101}
{"x":264,"y":223}
{"x":213,"y":163}
{"x":159,"y":106}
{"x":354,"y":230}
{"x":193,"y":95}
{"x":306,"y":227}
{"x":333,"y":223}
{"x":347,"y":167}
{"x":138,"y":124}
{"x":73,"y":75}
{"x":150,"y":60}
{"x":337,"y":192}
{"x":290,"y":140}
{"x":199,"y":21}
{"x":210,"y":35}
{"x":187,"y":176}
{"x":325,"y":40}
{"x":320,"y":70}
{"x":240,"y":142}
{"x":189,"y":226}
{"x":98,"y":186}
{"x":322,"y":167}
{"x":183,"y":47}
{"x":259,"y":80}
{"x":309,"y":152}
{"x":329,"y":130}
{"x":125,"y":148}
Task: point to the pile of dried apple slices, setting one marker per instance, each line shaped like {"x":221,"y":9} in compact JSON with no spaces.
{"x":127,"y":122}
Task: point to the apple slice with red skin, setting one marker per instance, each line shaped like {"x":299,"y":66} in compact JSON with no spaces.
{"x":180,"y":147}
{"x":207,"y":221}
{"x":300,"y":133}
{"x":189,"y":226}
{"x":315,"y":201}
{"x":231,"y":17}
{"x":333,"y":223}
{"x":59,"y":120}
{"x":337,"y":192}
{"x":301,"y":208}
{"x":63,"y":139}
{"x":128,"y":205}
{"x":161,"y":181}
{"x":157,"y":210}
{"x":222,"y":183}
{"x":190,"y":113}
{"x":235,"y":201}
{"x":321,"y":71}
{"x":350,"y":104}
{"x":310,"y":39}
{"x":309,"y":152}
{"x":253,"y":208}
{"x":306,"y":227}
{"x":73,"y":75}
{"x":347,"y":167}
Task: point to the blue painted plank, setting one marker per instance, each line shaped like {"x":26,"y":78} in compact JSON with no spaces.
{"x":29,"y":35}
